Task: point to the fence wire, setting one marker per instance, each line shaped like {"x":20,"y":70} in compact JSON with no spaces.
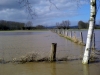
{"x":15,"y":48}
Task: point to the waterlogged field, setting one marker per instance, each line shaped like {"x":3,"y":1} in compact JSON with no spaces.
{"x":15,"y":45}
{"x":97,"y":37}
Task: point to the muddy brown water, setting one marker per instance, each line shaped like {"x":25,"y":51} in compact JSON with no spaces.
{"x":19,"y":43}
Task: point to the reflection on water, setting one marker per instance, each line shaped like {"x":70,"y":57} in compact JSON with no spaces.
{"x":86,"y":70}
{"x":53,"y":68}
{"x":46,"y":68}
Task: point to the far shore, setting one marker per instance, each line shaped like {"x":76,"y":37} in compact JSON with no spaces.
{"x":23,"y":30}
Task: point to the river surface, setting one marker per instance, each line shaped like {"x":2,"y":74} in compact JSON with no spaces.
{"x":20,"y":43}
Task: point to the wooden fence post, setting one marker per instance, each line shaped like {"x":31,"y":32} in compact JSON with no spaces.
{"x":66,"y":33}
{"x":60,"y":31}
{"x":70,"y":34}
{"x":53,"y":52}
{"x":81,"y":36}
{"x":74,"y":34}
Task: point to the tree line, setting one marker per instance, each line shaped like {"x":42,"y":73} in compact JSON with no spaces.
{"x":85,"y":25}
{"x":63,"y":25}
{"x":11,"y":25}
{"x":29,"y":26}
{"x":80,"y":25}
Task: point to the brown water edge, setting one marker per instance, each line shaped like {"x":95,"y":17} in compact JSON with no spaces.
{"x":48,"y":68}
{"x":13,"y":47}
{"x":34,"y":57}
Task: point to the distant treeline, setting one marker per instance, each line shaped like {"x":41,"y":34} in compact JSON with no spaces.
{"x":84,"y":25}
{"x":80,"y":25}
{"x":11,"y":25}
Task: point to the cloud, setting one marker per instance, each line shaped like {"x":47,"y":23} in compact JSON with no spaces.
{"x":9,"y":4}
{"x":47,"y":12}
{"x":13,"y":15}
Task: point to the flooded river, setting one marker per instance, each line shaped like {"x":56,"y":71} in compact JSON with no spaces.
{"x":20,"y":43}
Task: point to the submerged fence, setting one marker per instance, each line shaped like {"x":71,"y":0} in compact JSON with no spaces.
{"x":55,"y":53}
{"x":75,"y":36}
{"x":78,"y":37}
{"x":46,"y":46}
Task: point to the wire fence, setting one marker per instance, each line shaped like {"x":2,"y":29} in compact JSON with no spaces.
{"x":29,"y":48}
{"x":79,"y":37}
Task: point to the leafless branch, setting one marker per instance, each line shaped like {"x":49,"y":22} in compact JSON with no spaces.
{"x":52,"y":4}
{"x":63,"y":25}
{"x":27,"y":5}
{"x":32,"y":12}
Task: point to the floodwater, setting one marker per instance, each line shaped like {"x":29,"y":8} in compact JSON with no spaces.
{"x":84,"y":33}
{"x":20,"y":43}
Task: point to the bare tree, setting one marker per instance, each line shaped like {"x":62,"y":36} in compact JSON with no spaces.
{"x":93,"y":12}
{"x":58,"y":25}
{"x":29,"y":24}
{"x":65,"y":24}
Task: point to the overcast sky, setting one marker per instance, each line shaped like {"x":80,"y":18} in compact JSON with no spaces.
{"x":47,"y":13}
